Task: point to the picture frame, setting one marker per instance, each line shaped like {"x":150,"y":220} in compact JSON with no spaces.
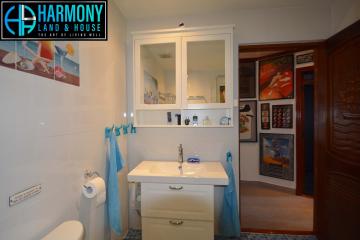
{"x":277,"y":155}
{"x":282,"y":116}
{"x":248,"y":121}
{"x":265,"y":116}
{"x":276,"y":78}
{"x":247,"y":79}
{"x":55,"y":60}
{"x":8,"y":56}
{"x":305,"y":58}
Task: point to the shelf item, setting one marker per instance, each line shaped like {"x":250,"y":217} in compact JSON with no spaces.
{"x":184,"y":118}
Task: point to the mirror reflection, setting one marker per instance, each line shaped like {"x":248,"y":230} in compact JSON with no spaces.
{"x":206,"y":72}
{"x":158,"y":64}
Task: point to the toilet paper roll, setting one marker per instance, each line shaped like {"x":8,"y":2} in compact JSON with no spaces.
{"x":95,"y":188}
{"x":100,"y":199}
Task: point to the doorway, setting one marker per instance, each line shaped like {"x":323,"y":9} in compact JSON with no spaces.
{"x":305,"y":78}
{"x":269,"y":204}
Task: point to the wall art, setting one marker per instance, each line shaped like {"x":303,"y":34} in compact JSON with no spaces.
{"x":282,"y":116}
{"x":277,"y":155}
{"x":276,"y":78}
{"x":248,"y":121}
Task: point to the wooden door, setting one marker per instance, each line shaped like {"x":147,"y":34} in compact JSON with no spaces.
{"x":338,"y":137}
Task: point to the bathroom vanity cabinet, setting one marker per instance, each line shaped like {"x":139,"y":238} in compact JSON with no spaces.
{"x":177,"y":211}
{"x":185,"y":71}
{"x":178,"y":203}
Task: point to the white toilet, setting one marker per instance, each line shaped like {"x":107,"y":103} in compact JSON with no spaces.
{"x":69,"y":230}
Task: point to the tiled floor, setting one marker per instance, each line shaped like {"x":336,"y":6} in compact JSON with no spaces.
{"x":136,"y":235}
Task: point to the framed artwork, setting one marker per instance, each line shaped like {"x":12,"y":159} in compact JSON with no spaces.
{"x":67,"y":62}
{"x":276,"y":78}
{"x":277,"y":155}
{"x":247,"y":79}
{"x":37,"y":57}
{"x":305,"y":58}
{"x":248,"y":121}
{"x":282,"y":116}
{"x":8,"y":55}
{"x":265,"y":115}
{"x":55,"y":60}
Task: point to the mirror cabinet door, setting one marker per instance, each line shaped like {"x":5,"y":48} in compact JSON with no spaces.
{"x":205,"y":71}
{"x":158,"y":81}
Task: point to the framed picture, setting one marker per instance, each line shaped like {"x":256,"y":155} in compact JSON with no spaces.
{"x":265,"y":115}
{"x":247,"y":79}
{"x":67,"y":62}
{"x":305,"y":58}
{"x":276,"y":78}
{"x":282,"y":116}
{"x":55,"y":60}
{"x":277,"y":155}
{"x":37,"y":57}
{"x":248,"y":121}
{"x":8,"y":55}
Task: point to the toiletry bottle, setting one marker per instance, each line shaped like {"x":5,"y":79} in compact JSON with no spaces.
{"x":195,"y":120}
{"x":187,"y":121}
{"x":178,"y":116}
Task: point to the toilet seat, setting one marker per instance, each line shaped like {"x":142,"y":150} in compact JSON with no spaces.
{"x":69,"y":230}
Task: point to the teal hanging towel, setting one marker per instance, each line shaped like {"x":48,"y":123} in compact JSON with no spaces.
{"x":115,"y":164}
{"x":229,"y":219}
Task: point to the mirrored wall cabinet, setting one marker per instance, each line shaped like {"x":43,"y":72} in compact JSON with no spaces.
{"x":184,"y":77}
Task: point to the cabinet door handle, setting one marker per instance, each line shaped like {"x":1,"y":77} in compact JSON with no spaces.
{"x":175,"y":188}
{"x":176,"y":222}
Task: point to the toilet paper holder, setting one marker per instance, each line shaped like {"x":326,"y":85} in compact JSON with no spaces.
{"x":90,"y":174}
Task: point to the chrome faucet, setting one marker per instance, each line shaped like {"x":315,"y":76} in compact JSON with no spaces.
{"x":181,"y":155}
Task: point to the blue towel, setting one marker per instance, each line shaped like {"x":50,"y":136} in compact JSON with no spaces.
{"x":229,"y":219}
{"x":115,"y":164}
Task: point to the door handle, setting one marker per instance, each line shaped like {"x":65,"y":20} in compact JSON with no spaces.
{"x":175,"y":188}
{"x":176,"y":222}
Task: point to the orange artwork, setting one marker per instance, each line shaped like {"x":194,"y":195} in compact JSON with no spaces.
{"x":276,"y":78}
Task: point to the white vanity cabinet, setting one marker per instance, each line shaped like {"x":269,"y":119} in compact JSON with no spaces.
{"x":177,"y":211}
{"x":185,"y":71}
{"x":178,"y":203}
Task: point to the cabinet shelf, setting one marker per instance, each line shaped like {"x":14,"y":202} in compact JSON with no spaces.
{"x":184,"y":126}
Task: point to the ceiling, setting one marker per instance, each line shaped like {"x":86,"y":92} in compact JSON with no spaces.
{"x":140,"y":9}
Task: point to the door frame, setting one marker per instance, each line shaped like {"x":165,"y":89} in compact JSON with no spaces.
{"x":300,"y":146}
{"x":319,"y":70}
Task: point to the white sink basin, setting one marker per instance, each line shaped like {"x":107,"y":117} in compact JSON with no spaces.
{"x":209,"y":173}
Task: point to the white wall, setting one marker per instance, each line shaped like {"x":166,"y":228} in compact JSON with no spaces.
{"x":252,"y":26}
{"x":50,"y":132}
{"x":344,"y":13}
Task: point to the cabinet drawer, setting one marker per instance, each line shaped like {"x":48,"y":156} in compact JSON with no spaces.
{"x":182,"y":201}
{"x":176,"y":229}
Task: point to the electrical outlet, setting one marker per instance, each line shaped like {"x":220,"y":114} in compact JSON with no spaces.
{"x":23,"y":195}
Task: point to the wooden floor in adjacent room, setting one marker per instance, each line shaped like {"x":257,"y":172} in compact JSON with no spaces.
{"x":264,"y":206}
